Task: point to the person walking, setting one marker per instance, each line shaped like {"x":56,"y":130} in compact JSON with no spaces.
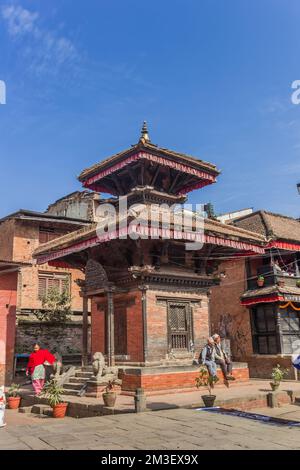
{"x":222,"y":359}
{"x":36,"y":367}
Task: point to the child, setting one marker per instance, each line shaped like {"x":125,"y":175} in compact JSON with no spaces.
{"x":2,"y":407}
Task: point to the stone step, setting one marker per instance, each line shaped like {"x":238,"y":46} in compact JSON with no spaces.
{"x":86,"y":375}
{"x":71,"y":392}
{"x":87,"y":368}
{"x":73,"y":386}
{"x":78,"y":380}
{"x":25,"y":409}
{"x":41,"y":409}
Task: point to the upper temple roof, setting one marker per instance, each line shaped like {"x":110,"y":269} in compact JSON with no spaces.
{"x":190,"y":173}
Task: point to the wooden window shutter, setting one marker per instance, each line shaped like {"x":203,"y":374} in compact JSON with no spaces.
{"x":42,"y":287}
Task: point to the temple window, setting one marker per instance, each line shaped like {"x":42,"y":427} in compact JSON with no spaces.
{"x":179,"y":326}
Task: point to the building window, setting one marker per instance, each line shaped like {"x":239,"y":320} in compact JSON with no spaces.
{"x":264,"y":335}
{"x":179,"y":326}
{"x":290,"y":329}
{"x":48,"y":281}
{"x":46,"y":234}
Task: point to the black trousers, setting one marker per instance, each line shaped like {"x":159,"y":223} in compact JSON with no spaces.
{"x":226,"y":366}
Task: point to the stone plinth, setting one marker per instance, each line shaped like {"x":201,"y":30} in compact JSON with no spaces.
{"x":96,"y":388}
{"x":164,"y":379}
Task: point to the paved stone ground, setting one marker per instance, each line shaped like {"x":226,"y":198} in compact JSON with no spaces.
{"x":287,"y":412}
{"x":177,"y":429}
{"x":161,"y":401}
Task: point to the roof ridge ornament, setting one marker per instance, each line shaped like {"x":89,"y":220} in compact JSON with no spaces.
{"x":144,"y":133}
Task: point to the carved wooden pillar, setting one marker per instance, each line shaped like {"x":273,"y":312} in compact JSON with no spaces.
{"x":85,"y":326}
{"x":110,"y":328}
{"x":143,"y":289}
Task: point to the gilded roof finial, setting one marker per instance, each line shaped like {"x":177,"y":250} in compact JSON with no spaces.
{"x":144,"y":133}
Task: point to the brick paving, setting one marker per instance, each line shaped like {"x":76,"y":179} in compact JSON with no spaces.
{"x":176,"y":429}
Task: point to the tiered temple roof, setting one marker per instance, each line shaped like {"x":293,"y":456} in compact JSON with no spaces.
{"x":146,"y":164}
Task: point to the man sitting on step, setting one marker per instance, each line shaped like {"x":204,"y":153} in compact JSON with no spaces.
{"x":207,"y":358}
{"x":222,"y":359}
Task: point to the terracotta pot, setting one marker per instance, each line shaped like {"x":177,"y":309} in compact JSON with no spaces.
{"x":13,"y":402}
{"x":59,"y":411}
{"x":274,"y":386}
{"x":109,"y":399}
{"x":208,"y":400}
{"x":260,"y":282}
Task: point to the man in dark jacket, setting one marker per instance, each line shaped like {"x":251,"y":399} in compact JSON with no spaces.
{"x":222,"y":358}
{"x":207,"y":357}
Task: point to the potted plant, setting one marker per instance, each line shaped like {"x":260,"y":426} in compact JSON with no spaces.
{"x":14,"y":398}
{"x":206,"y":380}
{"x":277,"y":375}
{"x":110,"y":395}
{"x":53,"y":393}
{"x":260,"y":280}
{"x":298,"y":283}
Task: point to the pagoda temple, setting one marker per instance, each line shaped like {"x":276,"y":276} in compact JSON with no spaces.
{"x":149,"y":294}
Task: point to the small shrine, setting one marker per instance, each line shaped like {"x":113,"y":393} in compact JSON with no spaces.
{"x":149,"y":293}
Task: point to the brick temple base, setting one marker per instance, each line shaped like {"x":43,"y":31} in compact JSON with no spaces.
{"x":95,"y":390}
{"x":177,"y":378}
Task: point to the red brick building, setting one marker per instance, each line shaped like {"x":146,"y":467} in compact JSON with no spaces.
{"x":150,"y":295}
{"x":9,"y":272}
{"x":20,"y":234}
{"x":262,"y":321}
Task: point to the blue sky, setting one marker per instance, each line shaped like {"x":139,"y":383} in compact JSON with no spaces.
{"x":211,"y":77}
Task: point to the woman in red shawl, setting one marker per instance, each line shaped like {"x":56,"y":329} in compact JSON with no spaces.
{"x":36,"y":369}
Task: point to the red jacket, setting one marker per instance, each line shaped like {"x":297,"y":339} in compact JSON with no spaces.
{"x":39,"y":357}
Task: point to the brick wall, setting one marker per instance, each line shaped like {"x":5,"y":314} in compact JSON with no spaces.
{"x":132,"y":304}
{"x":8,"y":297}
{"x":28,"y":292}
{"x":98,"y":325}
{"x":227,"y":316}
{"x":169,"y":381}
{"x":260,"y":366}
{"x":157,"y":322}
{"x":6,"y":240}
{"x":26,"y":240}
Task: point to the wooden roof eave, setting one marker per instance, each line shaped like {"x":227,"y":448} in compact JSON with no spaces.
{"x":160,"y":152}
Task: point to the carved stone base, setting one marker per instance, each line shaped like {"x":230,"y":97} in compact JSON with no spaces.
{"x":95,"y":389}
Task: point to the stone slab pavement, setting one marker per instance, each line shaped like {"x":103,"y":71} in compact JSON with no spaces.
{"x":286,"y":412}
{"x":176,"y":429}
{"x":192,"y":398}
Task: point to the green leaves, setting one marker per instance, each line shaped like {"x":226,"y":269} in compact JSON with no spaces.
{"x":278,"y":373}
{"x":13,"y":390}
{"x":56,"y":306}
{"x":204,"y":379}
{"x":52,"y":392}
